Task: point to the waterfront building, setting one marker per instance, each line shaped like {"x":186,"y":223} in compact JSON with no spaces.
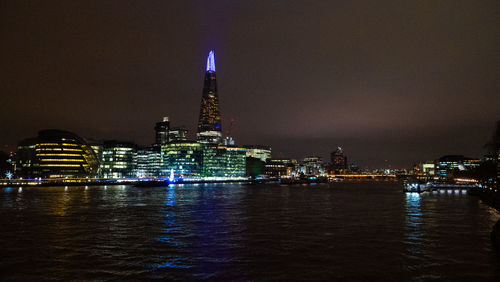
{"x":162,"y":131}
{"x":428,"y":168}
{"x":446,"y":164}
{"x":338,"y":160}
{"x":190,"y":159}
{"x":280,"y":167}
{"x":185,"y":158}
{"x":259,"y":152}
{"x":209,"y":122}
{"x":119,"y":159}
{"x":149,"y":162}
{"x":224,"y":161}
{"x":312,"y":166}
{"x":55,"y":154}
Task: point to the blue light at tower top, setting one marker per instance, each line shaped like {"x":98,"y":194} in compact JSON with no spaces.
{"x":211,"y":61}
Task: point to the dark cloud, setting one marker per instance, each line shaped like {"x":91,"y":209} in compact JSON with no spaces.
{"x":395,"y":80}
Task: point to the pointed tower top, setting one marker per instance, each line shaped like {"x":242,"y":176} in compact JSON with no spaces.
{"x":211,"y":61}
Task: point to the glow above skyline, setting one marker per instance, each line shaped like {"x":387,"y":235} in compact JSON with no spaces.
{"x":211,"y":61}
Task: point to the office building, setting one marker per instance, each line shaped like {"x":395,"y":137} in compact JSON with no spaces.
{"x":312,"y":166}
{"x":447,"y":164}
{"x":149,"y":162}
{"x":119,"y":159}
{"x":224,"y":161}
{"x":162,"y":131}
{"x":55,"y":154}
{"x":280,"y":167}
{"x":177,"y":134}
{"x":184,"y":158}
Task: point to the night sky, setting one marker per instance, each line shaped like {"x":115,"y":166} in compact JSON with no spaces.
{"x":401,"y":81}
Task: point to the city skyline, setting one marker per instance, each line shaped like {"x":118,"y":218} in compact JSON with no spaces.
{"x":303,"y":87}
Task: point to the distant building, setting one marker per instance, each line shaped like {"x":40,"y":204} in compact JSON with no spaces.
{"x":280,"y":167}
{"x":209,"y":123}
{"x":55,"y":154}
{"x":447,"y":164}
{"x":119,"y":159}
{"x":429,"y":168}
{"x":259,"y":152}
{"x":338,"y":160}
{"x":228,"y":141}
{"x":162,"y":129}
{"x":177,"y":134}
{"x":312,"y":166}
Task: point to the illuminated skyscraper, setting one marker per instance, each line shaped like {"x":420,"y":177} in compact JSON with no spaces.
{"x":209,"y":123}
{"x":339,"y":160}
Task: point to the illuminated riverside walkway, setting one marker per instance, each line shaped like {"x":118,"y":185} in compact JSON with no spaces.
{"x":363,"y":176}
{"x":113,"y":181}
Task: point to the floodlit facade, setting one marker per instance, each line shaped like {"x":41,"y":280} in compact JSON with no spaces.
{"x":224,"y":161}
{"x":429,"y":168}
{"x":209,"y":122}
{"x":190,"y":159}
{"x":259,"y":152}
{"x":119,"y":159}
{"x":185,"y":158}
{"x":312,"y":166}
{"x":149,"y":162}
{"x":55,"y":154}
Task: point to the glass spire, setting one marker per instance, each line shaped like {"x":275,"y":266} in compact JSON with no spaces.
{"x":211,"y":61}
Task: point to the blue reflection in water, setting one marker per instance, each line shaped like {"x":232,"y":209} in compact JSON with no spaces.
{"x":168,"y":235}
{"x":413,"y":222}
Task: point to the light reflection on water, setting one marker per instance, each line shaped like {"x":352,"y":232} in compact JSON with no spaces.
{"x":346,"y":231}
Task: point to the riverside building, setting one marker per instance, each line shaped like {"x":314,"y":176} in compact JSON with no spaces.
{"x":55,"y":154}
{"x":280,"y":167}
{"x":184,"y":158}
{"x":446,"y":164}
{"x":149,"y":162}
{"x":119,"y":159}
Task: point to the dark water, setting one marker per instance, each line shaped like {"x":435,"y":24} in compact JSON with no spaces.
{"x":341,"y":231}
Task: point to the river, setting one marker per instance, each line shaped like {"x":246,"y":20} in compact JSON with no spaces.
{"x":340,"y":231}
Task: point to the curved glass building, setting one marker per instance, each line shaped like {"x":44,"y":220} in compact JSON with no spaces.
{"x":55,"y":154}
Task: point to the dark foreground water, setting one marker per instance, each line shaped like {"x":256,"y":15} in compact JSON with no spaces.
{"x":340,"y":231}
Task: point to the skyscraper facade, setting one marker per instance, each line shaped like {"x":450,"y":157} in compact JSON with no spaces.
{"x":209,"y":122}
{"x":162,"y":130}
{"x":338,"y":160}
